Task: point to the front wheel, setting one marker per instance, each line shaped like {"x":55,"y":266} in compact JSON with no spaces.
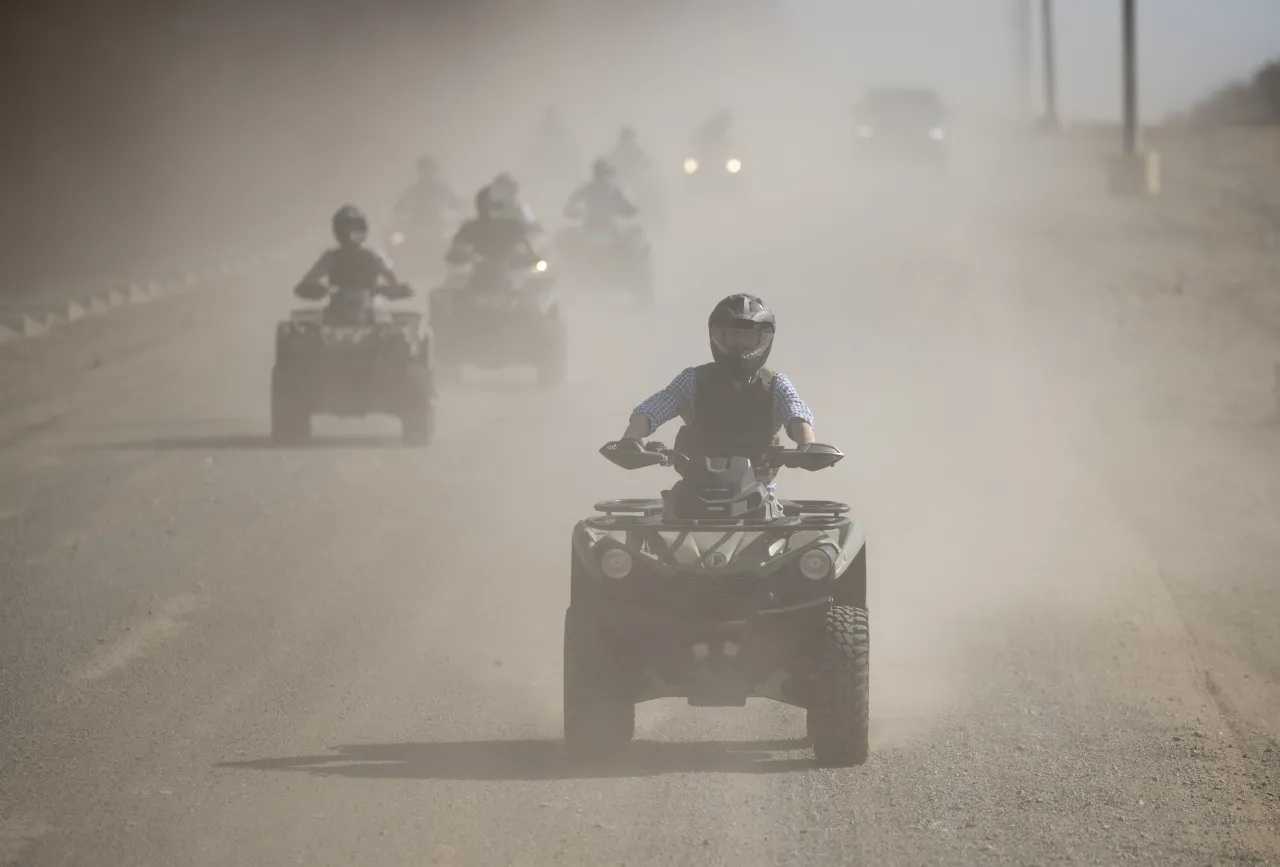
{"x":839,"y":720}
{"x":599,"y":720}
{"x":418,"y":417}
{"x":290,"y":417}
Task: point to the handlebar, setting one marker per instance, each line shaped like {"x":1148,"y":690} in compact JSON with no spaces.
{"x":634,"y":455}
{"x":321,"y":291}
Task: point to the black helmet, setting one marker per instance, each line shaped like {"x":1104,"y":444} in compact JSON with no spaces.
{"x":427,"y":166}
{"x":350,"y":226}
{"x":741,"y":328}
{"x":602,"y":170}
{"x":486,"y":202}
{"x":505,"y":186}
{"x":627,"y":135}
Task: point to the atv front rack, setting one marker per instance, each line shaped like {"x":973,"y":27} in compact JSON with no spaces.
{"x":792,"y":508}
{"x":635,"y":514}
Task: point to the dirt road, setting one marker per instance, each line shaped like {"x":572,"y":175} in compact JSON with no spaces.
{"x":216,"y":652}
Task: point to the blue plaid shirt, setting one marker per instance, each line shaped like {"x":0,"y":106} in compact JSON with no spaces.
{"x":677,"y":399}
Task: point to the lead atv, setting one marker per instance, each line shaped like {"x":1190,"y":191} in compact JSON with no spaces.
{"x":495,"y":314}
{"x":352,"y":357}
{"x":717,"y":593}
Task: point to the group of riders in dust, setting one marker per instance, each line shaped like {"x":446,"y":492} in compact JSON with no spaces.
{"x":504,"y":229}
{"x":776,"y":605}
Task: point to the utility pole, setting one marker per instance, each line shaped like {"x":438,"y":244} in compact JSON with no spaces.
{"x":1051,"y":119}
{"x":1130,"y":38}
{"x":1022,"y":39}
{"x":1135,"y":171}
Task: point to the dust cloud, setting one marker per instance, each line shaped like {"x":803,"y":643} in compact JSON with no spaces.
{"x":898,"y":319}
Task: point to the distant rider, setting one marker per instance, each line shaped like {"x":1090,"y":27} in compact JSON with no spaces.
{"x":733,"y":405}
{"x":351,"y":266}
{"x":430,"y":199}
{"x":627,"y":155}
{"x":494,"y":235}
{"x":600,"y":202}
{"x":506,"y":194}
{"x":716,"y":135}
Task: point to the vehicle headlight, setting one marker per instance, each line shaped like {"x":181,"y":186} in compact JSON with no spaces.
{"x":397,"y":238}
{"x":690,"y":166}
{"x":865,"y":131}
{"x":816,"y":564}
{"x":541,"y":266}
{"x":734,"y":166}
{"x":616,"y":563}
{"x":937,"y":133}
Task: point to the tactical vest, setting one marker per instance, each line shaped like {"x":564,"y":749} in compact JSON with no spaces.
{"x":730,"y":419}
{"x":354,"y":268}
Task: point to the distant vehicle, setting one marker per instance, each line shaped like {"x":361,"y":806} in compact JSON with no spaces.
{"x":902,"y":123}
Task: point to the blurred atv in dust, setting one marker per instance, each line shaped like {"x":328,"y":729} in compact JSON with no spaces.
{"x":497,"y":314}
{"x":717,"y":593}
{"x":418,"y":249}
{"x":598,"y":259}
{"x":713,"y":170}
{"x":353,"y":358}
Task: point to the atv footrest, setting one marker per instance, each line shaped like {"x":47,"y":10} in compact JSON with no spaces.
{"x":648,"y":508}
{"x":814,"y":507}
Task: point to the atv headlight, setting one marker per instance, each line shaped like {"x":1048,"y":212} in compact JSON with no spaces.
{"x":937,"y":133}
{"x":733,"y":166}
{"x":816,"y":564}
{"x":616,"y":563}
{"x":540,"y":266}
{"x":397,"y":238}
{"x":690,"y":166}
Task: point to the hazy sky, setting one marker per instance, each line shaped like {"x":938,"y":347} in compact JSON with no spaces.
{"x":1188,"y":47}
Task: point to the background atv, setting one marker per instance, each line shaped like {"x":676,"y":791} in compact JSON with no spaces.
{"x":418,"y":250}
{"x":602,"y":258}
{"x":714,"y":169}
{"x":712,"y":595}
{"x":352,"y":358}
{"x":496,"y":314}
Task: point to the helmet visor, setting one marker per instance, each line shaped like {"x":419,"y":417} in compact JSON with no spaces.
{"x":742,"y":341}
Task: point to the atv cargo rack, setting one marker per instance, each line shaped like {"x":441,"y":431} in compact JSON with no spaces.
{"x":634,"y":513}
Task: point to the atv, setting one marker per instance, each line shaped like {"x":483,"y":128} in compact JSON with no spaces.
{"x":598,"y":258}
{"x":494,"y":314}
{"x":419,"y":248}
{"x":717,"y":593}
{"x":352,"y":358}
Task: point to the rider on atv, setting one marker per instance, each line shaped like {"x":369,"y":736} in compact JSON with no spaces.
{"x":506,"y":195}
{"x":600,"y":202}
{"x":430,"y":200}
{"x":351,"y":267}
{"x":627,"y":155}
{"x":493,"y":236}
{"x":716,"y":135}
{"x":734,"y":405}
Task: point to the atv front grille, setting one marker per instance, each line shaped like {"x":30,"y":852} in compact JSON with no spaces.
{"x":700,"y":593}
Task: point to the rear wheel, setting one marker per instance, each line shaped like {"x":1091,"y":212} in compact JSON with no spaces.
{"x":839,"y":719}
{"x":599,"y":720}
{"x":290,"y":416}
{"x":418,"y":417}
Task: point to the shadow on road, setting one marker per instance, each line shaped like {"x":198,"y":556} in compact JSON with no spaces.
{"x":251,"y":442}
{"x":535,"y":760}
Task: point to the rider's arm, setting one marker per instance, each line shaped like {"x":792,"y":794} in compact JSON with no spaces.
{"x":624,"y":206}
{"x":674,"y":400}
{"x":383,"y":267}
{"x":791,"y":412}
{"x":319,"y":271}
{"x":460,"y":251}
